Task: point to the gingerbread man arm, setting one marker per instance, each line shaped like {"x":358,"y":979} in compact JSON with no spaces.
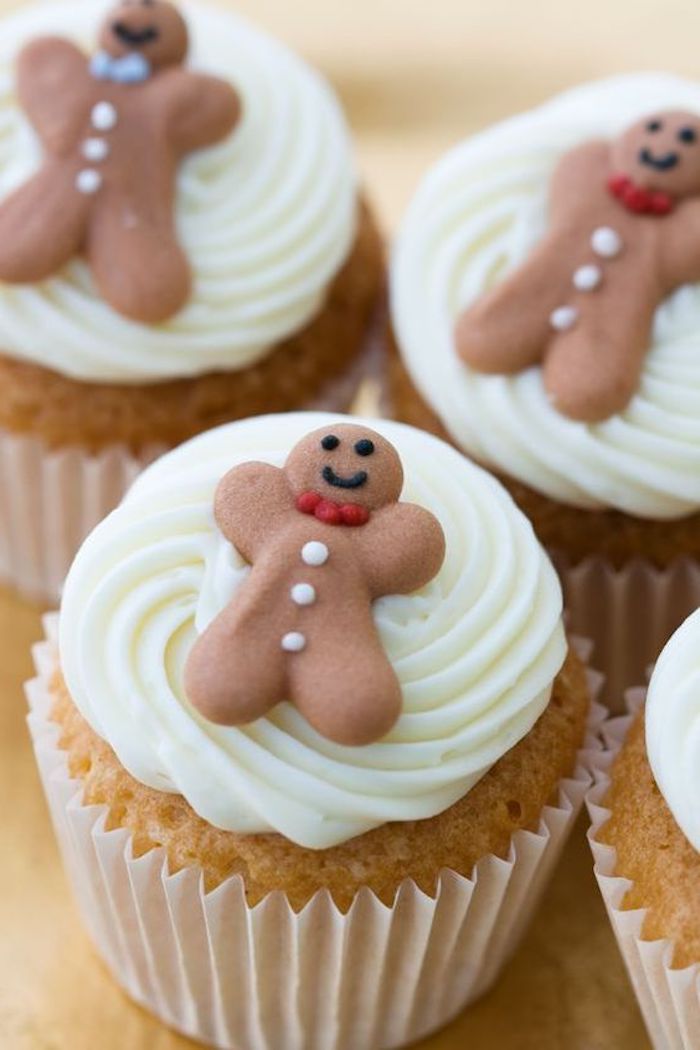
{"x":201,"y":110}
{"x":52,"y":75}
{"x":402,"y":548}
{"x":576,"y":173}
{"x":250,"y":502}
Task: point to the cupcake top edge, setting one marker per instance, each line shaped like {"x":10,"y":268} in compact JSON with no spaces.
{"x":671,"y":716}
{"x":196,"y":179}
{"x":549,"y":263}
{"x":313,"y":625}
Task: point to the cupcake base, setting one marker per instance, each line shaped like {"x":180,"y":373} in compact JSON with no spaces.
{"x":628,"y":583}
{"x":235,"y":975}
{"x":52,"y":499}
{"x":577,"y":533}
{"x":50,"y":502}
{"x":656,"y":933}
{"x":509,"y":798}
{"x":62,"y":412}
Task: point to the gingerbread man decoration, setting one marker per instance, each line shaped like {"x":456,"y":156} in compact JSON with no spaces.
{"x":326,"y":536}
{"x":624,"y":233}
{"x":113,"y":129}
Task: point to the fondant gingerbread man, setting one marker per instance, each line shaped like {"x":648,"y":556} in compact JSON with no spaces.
{"x":113,"y":129}
{"x":624,"y":233}
{"x":326,"y":535}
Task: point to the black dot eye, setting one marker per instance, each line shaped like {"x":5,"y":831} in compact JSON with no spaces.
{"x":654,"y":125}
{"x":365,"y":447}
{"x":329,"y":442}
{"x":687,"y":135}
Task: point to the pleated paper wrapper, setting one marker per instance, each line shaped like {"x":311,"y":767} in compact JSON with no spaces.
{"x":52,"y":499}
{"x":668,"y":998}
{"x":267,"y":978}
{"x":628,"y":613}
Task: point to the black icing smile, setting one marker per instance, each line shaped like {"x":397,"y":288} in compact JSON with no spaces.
{"x":355,"y":482}
{"x":135,"y":37}
{"x":662,"y":163}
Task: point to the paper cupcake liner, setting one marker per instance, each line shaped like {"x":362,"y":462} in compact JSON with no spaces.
{"x":267,"y":978}
{"x":628,"y":613}
{"x":50,"y":502}
{"x":52,"y":499}
{"x":668,"y":998}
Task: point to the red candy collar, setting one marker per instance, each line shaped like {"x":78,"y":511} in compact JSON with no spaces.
{"x":637,"y":199}
{"x":330,"y":512}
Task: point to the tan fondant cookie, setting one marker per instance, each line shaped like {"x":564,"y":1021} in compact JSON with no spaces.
{"x":113,"y":129}
{"x":326,"y":536}
{"x":624,"y":233}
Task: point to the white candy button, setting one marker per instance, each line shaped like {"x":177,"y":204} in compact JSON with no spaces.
{"x":104,"y":116}
{"x":563,"y":318}
{"x":294,"y":642}
{"x":606,"y":242}
{"x":303,"y":594}
{"x":88,"y":181}
{"x":314,"y":553}
{"x":586,"y":278}
{"x":95,"y":149}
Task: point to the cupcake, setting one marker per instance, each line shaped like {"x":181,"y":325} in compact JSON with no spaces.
{"x":546,"y":310}
{"x":646,"y":841}
{"x":182,"y":243}
{"x":310,"y":714}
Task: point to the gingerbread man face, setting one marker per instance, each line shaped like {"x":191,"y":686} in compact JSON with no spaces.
{"x":301,"y":627}
{"x":624,"y":233}
{"x":661,"y":153}
{"x":348,"y":465}
{"x":152,"y":28}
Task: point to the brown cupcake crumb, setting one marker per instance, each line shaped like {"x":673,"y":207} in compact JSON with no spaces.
{"x":509,"y":797}
{"x":653,"y":852}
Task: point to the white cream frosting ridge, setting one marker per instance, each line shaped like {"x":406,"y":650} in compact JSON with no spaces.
{"x":673,"y":726}
{"x":476,"y":651}
{"x":477,"y":216}
{"x":267,"y":217}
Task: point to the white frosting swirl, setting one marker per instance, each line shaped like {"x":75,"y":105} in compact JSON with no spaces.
{"x":267,"y":217}
{"x":478,"y":215}
{"x":476,"y":650}
{"x":673,"y":726}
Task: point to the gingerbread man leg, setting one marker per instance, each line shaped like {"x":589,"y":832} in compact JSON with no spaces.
{"x":137,"y":262}
{"x":592,"y":371}
{"x":506,"y":330}
{"x":234,"y":674}
{"x":42,"y":226}
{"x":343,"y":683}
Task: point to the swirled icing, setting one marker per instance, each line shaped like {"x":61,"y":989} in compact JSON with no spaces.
{"x":267,"y":217}
{"x":673,"y":726}
{"x":476,"y":651}
{"x":476,"y":216}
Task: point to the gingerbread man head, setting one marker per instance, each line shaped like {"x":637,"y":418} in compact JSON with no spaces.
{"x":661,"y":153}
{"x":346,"y":464}
{"x":153,"y":29}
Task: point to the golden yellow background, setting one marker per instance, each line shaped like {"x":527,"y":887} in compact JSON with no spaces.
{"x":414,"y":77}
